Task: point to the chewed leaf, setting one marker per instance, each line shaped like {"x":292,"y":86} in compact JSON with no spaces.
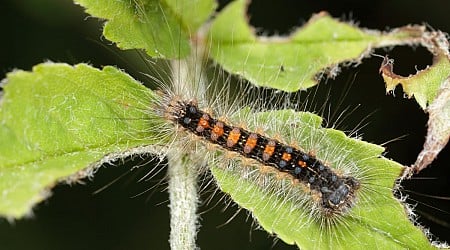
{"x":59,"y":120}
{"x":293,"y":63}
{"x":431,"y":89}
{"x":424,"y":85}
{"x":376,"y":219}
{"x":158,"y":26}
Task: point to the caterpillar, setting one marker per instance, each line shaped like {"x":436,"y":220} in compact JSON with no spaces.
{"x":336,"y":191}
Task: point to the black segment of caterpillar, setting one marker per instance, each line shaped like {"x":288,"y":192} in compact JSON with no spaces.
{"x":337,"y":193}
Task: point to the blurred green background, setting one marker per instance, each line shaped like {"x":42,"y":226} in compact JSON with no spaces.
{"x":122,"y":217}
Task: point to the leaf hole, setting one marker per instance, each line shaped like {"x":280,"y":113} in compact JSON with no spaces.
{"x":409,"y":60}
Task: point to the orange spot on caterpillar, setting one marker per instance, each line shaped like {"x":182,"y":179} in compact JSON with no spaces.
{"x":217,"y":131}
{"x":250,"y":144}
{"x":286,"y":156}
{"x":233,"y":137}
{"x":302,"y":164}
{"x":269,"y":150}
{"x":203,"y":123}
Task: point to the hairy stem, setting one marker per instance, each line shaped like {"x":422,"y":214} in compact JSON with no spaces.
{"x":188,"y":81}
{"x":183,"y":195}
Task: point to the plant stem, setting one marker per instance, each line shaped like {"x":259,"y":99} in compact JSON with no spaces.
{"x":183,"y":195}
{"x":189,"y":82}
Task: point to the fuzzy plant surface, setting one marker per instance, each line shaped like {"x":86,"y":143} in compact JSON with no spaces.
{"x":56,"y":120}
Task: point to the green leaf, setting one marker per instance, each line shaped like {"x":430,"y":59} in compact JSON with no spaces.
{"x":293,"y":63}
{"x":161,"y":27}
{"x":199,"y":11}
{"x":59,"y":121}
{"x":377,"y":218}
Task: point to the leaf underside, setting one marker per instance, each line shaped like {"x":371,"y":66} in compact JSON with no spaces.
{"x":61,"y":119}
